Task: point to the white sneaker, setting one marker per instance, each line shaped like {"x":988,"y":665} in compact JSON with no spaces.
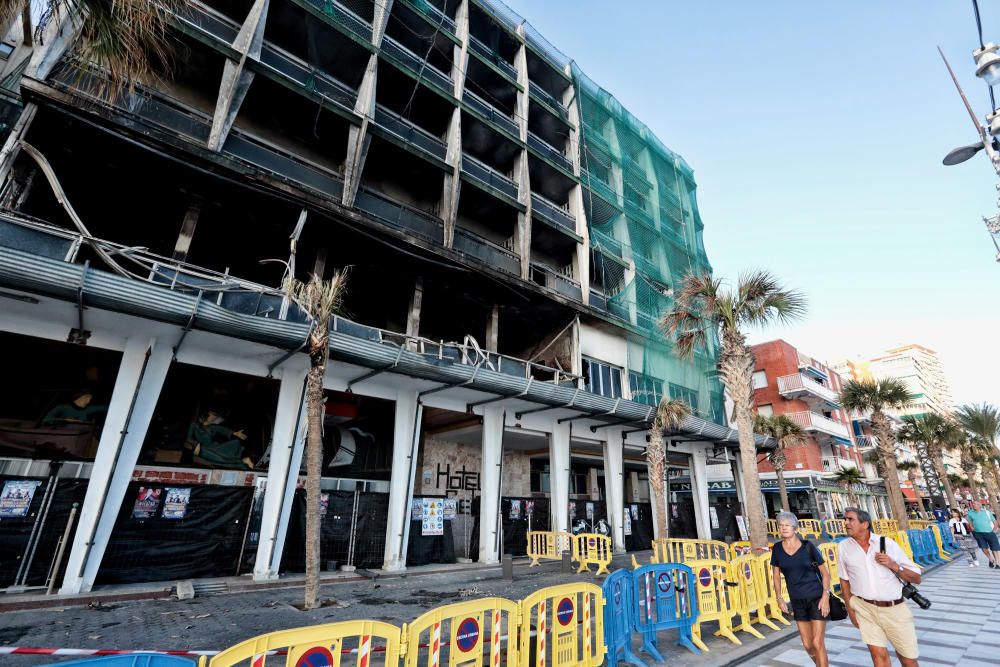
{"x":976,"y":563}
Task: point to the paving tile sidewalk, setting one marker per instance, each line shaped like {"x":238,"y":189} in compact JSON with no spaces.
{"x":960,"y":628}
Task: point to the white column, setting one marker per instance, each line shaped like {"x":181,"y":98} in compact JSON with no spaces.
{"x":140,"y":377}
{"x":595,"y":488}
{"x":699,"y":491}
{"x":489,"y":503}
{"x":282,"y":470}
{"x":614,"y":488}
{"x":405,"y":440}
{"x":559,"y":477}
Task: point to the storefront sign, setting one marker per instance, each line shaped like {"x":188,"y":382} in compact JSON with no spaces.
{"x":147,"y":501}
{"x":728,"y":486}
{"x":15,"y":499}
{"x":433,"y":513}
{"x":176,"y":504}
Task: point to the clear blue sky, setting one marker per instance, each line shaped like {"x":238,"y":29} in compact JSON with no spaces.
{"x":816,"y":132}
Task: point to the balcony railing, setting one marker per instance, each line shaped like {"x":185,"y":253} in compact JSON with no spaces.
{"x":549,"y":151}
{"x":400,"y":216}
{"x":490,"y":112}
{"x":488,"y":175}
{"x":476,"y":246}
{"x":865,"y":441}
{"x":344,"y":17}
{"x":554,"y":280}
{"x":802,"y":386}
{"x":492,"y":57}
{"x":835,"y":463}
{"x":208,"y":21}
{"x":552,"y":212}
{"x":816,"y":423}
{"x":536,"y":91}
{"x":293,"y":69}
{"x":435,"y":14}
{"x":410,"y":133}
{"x":599,"y":187}
{"x":418,"y":65}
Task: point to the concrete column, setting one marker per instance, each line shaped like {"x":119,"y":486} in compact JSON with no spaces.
{"x":405,"y":441}
{"x":634,"y":486}
{"x":614,"y":488}
{"x":736,"y":469}
{"x":490,"y":545}
{"x":358,"y":138}
{"x":699,"y":491}
{"x":592,"y":485}
{"x":287,"y":443}
{"x":140,"y":377}
{"x":559,"y":477}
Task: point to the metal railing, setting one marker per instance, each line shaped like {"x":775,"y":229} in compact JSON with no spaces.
{"x":400,"y":216}
{"x":423,"y":69}
{"x":599,"y":187}
{"x":293,"y":69}
{"x":810,"y":421}
{"x":799,"y":383}
{"x":344,"y":17}
{"x":835,"y":463}
{"x":549,"y":151}
{"x":491,"y":113}
{"x":436,"y":15}
{"x":550,"y":99}
{"x":476,"y":246}
{"x":552,"y":212}
{"x":208,"y":21}
{"x":488,"y":175}
{"x":501,"y":63}
{"x":409,"y":132}
{"x":558,"y":282}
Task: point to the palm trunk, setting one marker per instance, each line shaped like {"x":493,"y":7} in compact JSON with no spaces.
{"x":655,"y":463}
{"x":990,"y":482}
{"x":887,"y":455}
{"x":973,"y":484}
{"x":782,"y":489}
{"x":943,"y":476}
{"x":314,"y":461}
{"x":736,"y":366}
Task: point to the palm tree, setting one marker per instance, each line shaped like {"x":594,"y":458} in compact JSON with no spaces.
{"x":877,"y":396}
{"x":911,"y":467}
{"x":705,"y":308}
{"x":320,"y":300}
{"x":847,"y":478}
{"x":122,"y":38}
{"x":931,"y":431}
{"x":970,"y":467}
{"x":786,"y":433}
{"x":669,"y":415}
{"x":982,"y":421}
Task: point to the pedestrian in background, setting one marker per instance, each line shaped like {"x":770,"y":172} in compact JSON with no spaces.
{"x":871,"y":588}
{"x":962,"y":531}
{"x":940,"y":514}
{"x":808,"y":582}
{"x":984,"y":523}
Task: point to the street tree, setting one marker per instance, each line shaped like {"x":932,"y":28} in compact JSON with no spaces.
{"x":786,"y":433}
{"x":847,"y":477}
{"x":669,"y":415}
{"x":706,"y":309}
{"x":982,"y":421}
{"x":876,"y":397}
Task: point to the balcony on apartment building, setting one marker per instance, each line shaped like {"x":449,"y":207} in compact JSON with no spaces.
{"x":814,"y":423}
{"x":835,"y":463}
{"x":802,"y":386}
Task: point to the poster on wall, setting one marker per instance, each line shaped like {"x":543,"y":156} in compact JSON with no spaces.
{"x":529,"y":507}
{"x":714,"y":516}
{"x":742,"y":524}
{"x":147,"y":501}
{"x":417,"y":509}
{"x":450,"y":508}
{"x":635,"y":512}
{"x":433,"y":521}
{"x":515,"y":509}
{"x":572,"y":511}
{"x":176,"y":504}
{"x":628,"y":522}
{"x":15,"y":499}
{"x":590,"y":511}
{"x":324,"y":503}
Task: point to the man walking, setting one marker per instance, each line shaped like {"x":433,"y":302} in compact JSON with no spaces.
{"x":872,"y":592}
{"x":984,"y":523}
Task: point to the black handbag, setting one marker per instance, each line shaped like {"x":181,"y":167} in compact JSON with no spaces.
{"x":838,"y":610}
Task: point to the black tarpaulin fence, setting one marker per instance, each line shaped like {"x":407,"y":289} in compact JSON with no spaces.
{"x":367,"y":515}
{"x":641,"y":538}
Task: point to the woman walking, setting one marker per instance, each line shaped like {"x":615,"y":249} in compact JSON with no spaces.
{"x":808,"y":583}
{"x":962,"y":531}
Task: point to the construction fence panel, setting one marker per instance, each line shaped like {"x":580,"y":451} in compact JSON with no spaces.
{"x":772,"y":609}
{"x":549,"y":545}
{"x":715,"y":599}
{"x":885,"y":526}
{"x":944,"y":539}
{"x":477,"y":633}
{"x":748,"y":582}
{"x":619,"y":609}
{"x":590,"y":548}
{"x":739,"y":548}
{"x":682,"y":550}
{"x":810,"y":528}
{"x":133,"y":660}
{"x":829,"y":552}
{"x":903,"y":541}
{"x":835,"y":528}
{"x":772,"y":527}
{"x":563,"y":626}
{"x":364,"y":643}
{"x":663,"y":597}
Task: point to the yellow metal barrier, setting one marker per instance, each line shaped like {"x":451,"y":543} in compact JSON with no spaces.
{"x":466,"y":629}
{"x":810,"y":527}
{"x":772,"y":608}
{"x":835,"y":527}
{"x":940,"y":544}
{"x":715,"y":599}
{"x":829,"y":551}
{"x":903,"y":540}
{"x":772,"y":528}
{"x":920,"y":524}
{"x":318,"y":644}
{"x":571,"y":618}
{"x":681,"y":550}
{"x":751,"y":597}
{"x":885,"y":526}
{"x":591,"y":548}
{"x":549,"y":545}
{"x":740,"y":548}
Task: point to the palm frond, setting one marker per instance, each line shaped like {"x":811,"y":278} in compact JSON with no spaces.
{"x":981,"y":420}
{"x":874,"y":395}
{"x":849,"y":476}
{"x":761,"y":299}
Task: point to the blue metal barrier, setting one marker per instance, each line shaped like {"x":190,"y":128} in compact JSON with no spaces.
{"x":664,"y":599}
{"x":918,"y":544}
{"x":133,"y":660}
{"x":619,"y":611}
{"x":947,"y":538}
{"x":932,"y":548}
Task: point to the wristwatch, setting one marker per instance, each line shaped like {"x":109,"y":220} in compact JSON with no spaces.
{"x":899,"y":568}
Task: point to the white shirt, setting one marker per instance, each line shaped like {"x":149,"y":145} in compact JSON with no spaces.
{"x":867,"y":578}
{"x":958,"y":526}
